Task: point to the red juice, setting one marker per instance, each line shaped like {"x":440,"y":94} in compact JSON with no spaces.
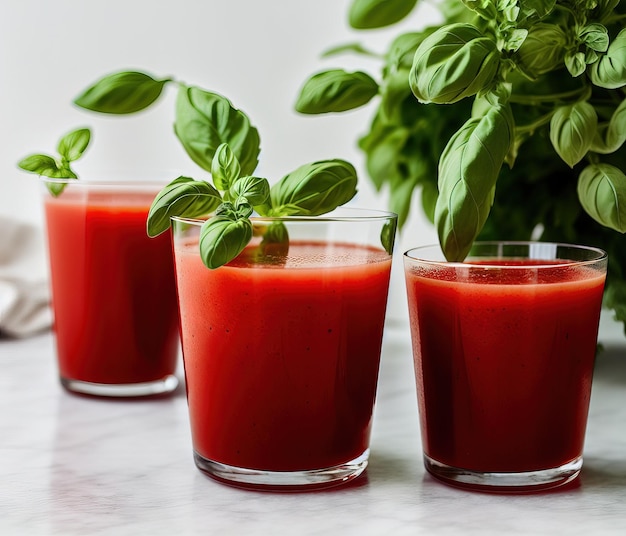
{"x":113,"y":287}
{"x":504,"y":361}
{"x":281,"y":361}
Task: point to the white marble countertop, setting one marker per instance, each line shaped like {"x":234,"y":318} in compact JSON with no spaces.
{"x":71,"y":465}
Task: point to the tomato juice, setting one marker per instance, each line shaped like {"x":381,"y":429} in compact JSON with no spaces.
{"x":281,"y":361}
{"x":504,"y":359}
{"x":113,"y":287}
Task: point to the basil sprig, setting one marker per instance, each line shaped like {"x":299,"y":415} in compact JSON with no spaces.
{"x":310,"y":190}
{"x":69,"y":148}
{"x":221,"y":140}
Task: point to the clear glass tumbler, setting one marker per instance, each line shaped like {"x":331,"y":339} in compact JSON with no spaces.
{"x":281,"y":348}
{"x":504,"y":347}
{"x":113,"y":290}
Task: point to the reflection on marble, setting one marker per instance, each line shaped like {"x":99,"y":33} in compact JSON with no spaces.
{"x":72,"y":465}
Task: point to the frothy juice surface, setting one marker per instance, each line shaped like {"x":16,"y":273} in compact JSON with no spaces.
{"x":281,"y":361}
{"x":504,"y":362}
{"x":113,"y":287}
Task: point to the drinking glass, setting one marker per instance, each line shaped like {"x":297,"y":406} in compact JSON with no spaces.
{"x":504,"y":347}
{"x":281,"y":348}
{"x":113,"y":289}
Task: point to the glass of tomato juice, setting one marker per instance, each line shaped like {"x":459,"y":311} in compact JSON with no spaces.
{"x":281,"y":350}
{"x":504,"y":345}
{"x":113,"y":289}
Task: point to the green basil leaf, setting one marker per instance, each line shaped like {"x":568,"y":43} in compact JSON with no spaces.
{"x":314,"y":189}
{"x":540,"y":8}
{"x":403,"y":47}
{"x":183,"y":197}
{"x":73,"y":145}
{"x":572,"y":131}
{"x":542,"y":51}
{"x":604,"y":9}
{"x":401,"y":196}
{"x":454,"y":62}
{"x":241,"y":208}
{"x":335,"y":91}
{"x":591,"y":56}
{"x":225,"y":167}
{"x":226,"y":209}
{"x":595,"y":36}
{"x":356,"y":48}
{"x":485,"y":8}
{"x":41,"y":164}
{"x":602,"y":193}
{"x":45,"y":165}
{"x":394,"y":91}
{"x":122,"y":92}
{"x":222,"y":238}
{"x":576,"y":63}
{"x":388,"y":235}
{"x":609,"y":71}
{"x":468,"y":171}
{"x":430,"y":194}
{"x":368,"y":14}
{"x":609,"y":138}
{"x":383,"y":146}
{"x":276,"y":233}
{"x":515,"y":39}
{"x":255,"y":189}
{"x":614,"y":297}
{"x":56,"y":189}
{"x":205,"y":120}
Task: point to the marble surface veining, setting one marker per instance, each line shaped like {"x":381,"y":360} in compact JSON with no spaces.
{"x":71,"y":465}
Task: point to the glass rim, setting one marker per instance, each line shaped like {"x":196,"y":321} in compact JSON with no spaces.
{"x":601,"y":255}
{"x":105,"y":183}
{"x":340,"y":214}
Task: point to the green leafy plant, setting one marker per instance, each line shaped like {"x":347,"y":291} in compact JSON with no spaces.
{"x":70,"y":148}
{"x":221,"y":140}
{"x":508,"y":117}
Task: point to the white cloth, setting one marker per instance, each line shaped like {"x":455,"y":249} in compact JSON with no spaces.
{"x":24,"y":294}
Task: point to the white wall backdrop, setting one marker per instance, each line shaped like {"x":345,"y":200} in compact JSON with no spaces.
{"x":257,"y":53}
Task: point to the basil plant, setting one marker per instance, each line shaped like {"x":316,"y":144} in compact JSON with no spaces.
{"x":509,"y":119}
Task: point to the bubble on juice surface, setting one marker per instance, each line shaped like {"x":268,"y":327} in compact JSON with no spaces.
{"x":303,"y":255}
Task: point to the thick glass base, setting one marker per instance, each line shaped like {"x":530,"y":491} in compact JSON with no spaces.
{"x":126,"y":390}
{"x":522,"y":482}
{"x":283,"y":480}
